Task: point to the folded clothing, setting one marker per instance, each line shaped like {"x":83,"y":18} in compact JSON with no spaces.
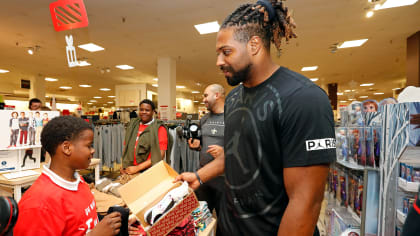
{"x":168,"y":201}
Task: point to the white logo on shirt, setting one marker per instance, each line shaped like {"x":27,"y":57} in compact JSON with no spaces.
{"x":213,"y":131}
{"x":320,"y":144}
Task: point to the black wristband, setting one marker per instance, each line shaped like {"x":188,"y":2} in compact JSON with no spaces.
{"x":198,"y":177}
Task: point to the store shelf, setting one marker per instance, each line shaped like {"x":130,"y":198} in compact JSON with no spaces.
{"x":408,"y":186}
{"x":355,"y":166}
{"x":346,"y":214}
{"x":354,"y":215}
{"x":20,"y":148}
{"x":401,"y":216}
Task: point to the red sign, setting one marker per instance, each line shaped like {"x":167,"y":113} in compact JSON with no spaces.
{"x":68,"y":14}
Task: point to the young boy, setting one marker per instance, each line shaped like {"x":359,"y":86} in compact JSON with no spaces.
{"x":60,"y":202}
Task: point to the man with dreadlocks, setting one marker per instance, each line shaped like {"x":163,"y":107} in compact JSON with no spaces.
{"x":279,"y":131}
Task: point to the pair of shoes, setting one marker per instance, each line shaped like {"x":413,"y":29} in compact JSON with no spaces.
{"x":169,"y":200}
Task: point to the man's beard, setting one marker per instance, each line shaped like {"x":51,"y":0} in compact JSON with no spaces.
{"x":237,"y":76}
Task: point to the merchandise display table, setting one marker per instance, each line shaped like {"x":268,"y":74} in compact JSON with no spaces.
{"x":18,"y":183}
{"x":210,"y":229}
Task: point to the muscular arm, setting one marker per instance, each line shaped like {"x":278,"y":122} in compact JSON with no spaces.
{"x":305,"y":188}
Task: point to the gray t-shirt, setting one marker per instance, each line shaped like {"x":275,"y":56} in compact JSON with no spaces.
{"x":212,"y":133}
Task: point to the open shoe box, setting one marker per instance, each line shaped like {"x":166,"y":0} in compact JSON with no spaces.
{"x":147,"y":189}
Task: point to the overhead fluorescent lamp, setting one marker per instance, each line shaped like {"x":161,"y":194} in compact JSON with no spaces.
{"x":395,"y":3}
{"x":97,"y":97}
{"x":363,"y":96}
{"x":208,"y":28}
{"x":195,"y":101}
{"x":89,"y":103}
{"x":155,"y":79}
{"x":396,"y":88}
{"x":195,"y":92}
{"x":111,"y":96}
{"x":367,"y":84}
{"x":84,"y":63}
{"x":105,"y":89}
{"x":310,"y":68}
{"x":51,"y":79}
{"x":180,"y":86}
{"x":155,"y":85}
{"x":124,"y":67}
{"x":343,"y":101}
{"x":66,"y":87}
{"x":91,"y":47}
{"x":378,"y":93}
{"x":92,"y":101}
{"x":339,"y":94}
{"x":85,"y":85}
{"x":353,"y":43}
{"x":314,"y":79}
{"x":347,"y":91}
{"x":369,"y":14}
{"x":110,"y":102}
{"x":3,"y":71}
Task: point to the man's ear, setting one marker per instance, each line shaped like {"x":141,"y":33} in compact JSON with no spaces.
{"x":66,"y":148}
{"x":255,"y":45}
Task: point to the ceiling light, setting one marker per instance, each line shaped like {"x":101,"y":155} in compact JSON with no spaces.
{"x":51,"y":79}
{"x":367,"y":84}
{"x":195,"y":101}
{"x":30,"y":52}
{"x":180,"y":86}
{"x":155,"y":79}
{"x":111,"y":96}
{"x":395,"y":3}
{"x":91,"y":47}
{"x":343,"y":101}
{"x":110,"y":102}
{"x":314,"y":79}
{"x":84,"y":63}
{"x":92,"y":101}
{"x":105,"y":89}
{"x":155,"y":85}
{"x":309,"y":68}
{"x":396,"y":88}
{"x":353,"y":43}
{"x":66,"y":87}
{"x":89,"y":103}
{"x":105,"y":104}
{"x":85,"y":85}
{"x":195,"y":92}
{"x":347,"y":91}
{"x":378,"y":93}
{"x":202,"y":103}
{"x":339,"y":94}
{"x":353,"y":90}
{"x":124,"y":67}
{"x":46,"y":96}
{"x":3,"y":71}
{"x":97,"y":97}
{"x":363,"y":96}
{"x":369,"y":14}
{"x":208,"y":28}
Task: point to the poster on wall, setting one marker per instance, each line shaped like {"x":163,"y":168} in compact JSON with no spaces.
{"x":164,"y":113}
{"x":23,"y":128}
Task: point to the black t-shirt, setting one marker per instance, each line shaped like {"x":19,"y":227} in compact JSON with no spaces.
{"x":286,"y":121}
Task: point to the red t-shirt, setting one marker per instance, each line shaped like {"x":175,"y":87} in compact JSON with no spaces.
{"x":54,"y":206}
{"x":162,"y":135}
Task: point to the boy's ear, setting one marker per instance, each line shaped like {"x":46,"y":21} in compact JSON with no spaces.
{"x":66,"y":148}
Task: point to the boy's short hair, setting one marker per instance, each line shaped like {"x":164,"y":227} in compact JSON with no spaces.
{"x":60,"y":129}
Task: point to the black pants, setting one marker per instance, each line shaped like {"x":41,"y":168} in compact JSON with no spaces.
{"x":28,"y":153}
{"x":211,"y":192}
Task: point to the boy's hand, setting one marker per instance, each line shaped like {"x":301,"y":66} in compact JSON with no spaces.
{"x":131,"y":170}
{"x":109,"y":225}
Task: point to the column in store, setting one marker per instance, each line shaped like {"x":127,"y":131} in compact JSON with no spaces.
{"x":413,"y":60}
{"x":166,"y":88}
{"x":37,"y":88}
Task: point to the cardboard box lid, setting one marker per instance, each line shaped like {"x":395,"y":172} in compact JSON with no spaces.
{"x":143,"y":190}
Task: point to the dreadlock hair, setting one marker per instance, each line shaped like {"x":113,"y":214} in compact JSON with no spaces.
{"x":254,"y":20}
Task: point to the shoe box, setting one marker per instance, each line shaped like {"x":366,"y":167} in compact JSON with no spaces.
{"x":148,"y":189}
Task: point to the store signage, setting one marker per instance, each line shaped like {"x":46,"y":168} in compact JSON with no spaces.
{"x":71,"y":52}
{"x":68,"y":14}
{"x":25,"y":84}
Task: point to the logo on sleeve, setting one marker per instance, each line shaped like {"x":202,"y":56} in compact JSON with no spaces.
{"x":320,"y":144}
